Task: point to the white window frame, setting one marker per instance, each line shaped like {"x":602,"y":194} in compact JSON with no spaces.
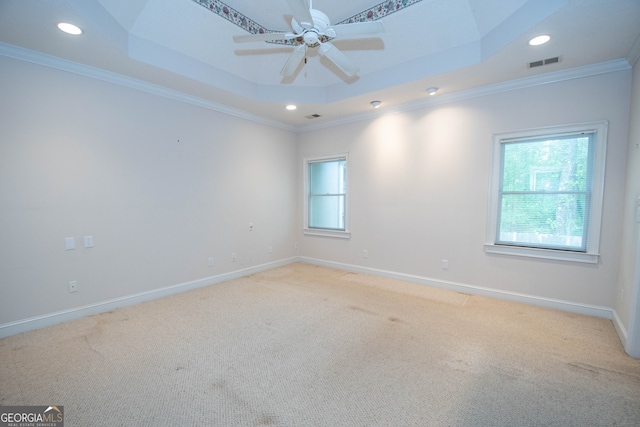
{"x":599,"y":129}
{"x":346,"y":234}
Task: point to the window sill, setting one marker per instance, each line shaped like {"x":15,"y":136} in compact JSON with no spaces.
{"x":327,"y":233}
{"x":589,"y":258}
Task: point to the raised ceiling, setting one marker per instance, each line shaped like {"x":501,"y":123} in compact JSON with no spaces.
{"x":456,"y":45}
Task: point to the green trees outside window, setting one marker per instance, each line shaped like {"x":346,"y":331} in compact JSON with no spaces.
{"x":545,"y":192}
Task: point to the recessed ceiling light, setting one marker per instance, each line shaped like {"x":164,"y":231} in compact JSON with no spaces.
{"x":376,"y":104}
{"x":74,"y":30}
{"x":537,"y":41}
{"x":290,"y":107}
{"x":432,"y":90}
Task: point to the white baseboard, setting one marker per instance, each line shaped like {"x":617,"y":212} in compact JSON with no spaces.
{"x":570,"y":306}
{"x":37,"y":322}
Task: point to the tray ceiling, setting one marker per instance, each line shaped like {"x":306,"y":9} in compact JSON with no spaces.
{"x":456,"y":45}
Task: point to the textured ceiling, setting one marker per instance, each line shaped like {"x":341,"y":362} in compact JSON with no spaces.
{"x":456,"y":45}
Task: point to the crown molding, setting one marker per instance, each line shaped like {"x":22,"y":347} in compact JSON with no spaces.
{"x":39,"y":58}
{"x":542,"y":79}
{"x":111,"y":77}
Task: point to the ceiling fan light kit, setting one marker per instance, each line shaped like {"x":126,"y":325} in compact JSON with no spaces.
{"x":312,"y":29}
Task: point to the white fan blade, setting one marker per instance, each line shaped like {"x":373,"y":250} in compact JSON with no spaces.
{"x":358,"y":28}
{"x":340,"y":59}
{"x":301,"y":12}
{"x":294,"y":60}
{"x":266,"y":37}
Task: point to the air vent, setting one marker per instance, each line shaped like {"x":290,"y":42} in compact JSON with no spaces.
{"x":313,"y":116}
{"x":542,"y":62}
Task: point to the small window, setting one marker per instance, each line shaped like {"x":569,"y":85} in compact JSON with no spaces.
{"x":546,"y":193}
{"x":326,"y":199}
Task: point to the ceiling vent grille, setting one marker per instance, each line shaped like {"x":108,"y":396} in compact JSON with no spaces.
{"x":313,"y":116}
{"x":542,"y":62}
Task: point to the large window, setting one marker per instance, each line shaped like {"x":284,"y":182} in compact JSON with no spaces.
{"x":326,"y":204}
{"x":546,"y":192}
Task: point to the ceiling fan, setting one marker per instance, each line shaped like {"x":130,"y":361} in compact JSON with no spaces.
{"x":312,"y":29}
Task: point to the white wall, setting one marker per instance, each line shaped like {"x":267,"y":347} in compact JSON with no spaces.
{"x":631,"y":236}
{"x":419,"y":184}
{"x":161,"y":185}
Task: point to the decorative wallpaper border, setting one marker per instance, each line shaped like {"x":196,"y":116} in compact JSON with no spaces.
{"x":380,"y":10}
{"x":230,"y":14}
{"x":372,"y":14}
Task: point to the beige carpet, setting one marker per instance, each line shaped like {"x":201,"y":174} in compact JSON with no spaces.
{"x":304,"y":345}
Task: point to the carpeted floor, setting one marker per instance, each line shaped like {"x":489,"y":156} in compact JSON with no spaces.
{"x":303,"y":345}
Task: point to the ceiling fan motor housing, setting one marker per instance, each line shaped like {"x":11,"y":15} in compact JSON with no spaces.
{"x":311,"y":36}
{"x":312,"y":29}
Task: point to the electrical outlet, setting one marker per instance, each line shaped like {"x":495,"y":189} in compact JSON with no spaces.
{"x":270,"y":249}
{"x":250,"y":226}
{"x":73,"y":286}
{"x":69,"y":243}
{"x":88,"y":241}
{"x":445,"y":264}
{"x":233,"y":257}
{"x":210,"y":261}
{"x":365,"y":254}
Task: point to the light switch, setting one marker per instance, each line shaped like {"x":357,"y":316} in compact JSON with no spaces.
{"x":69,"y":243}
